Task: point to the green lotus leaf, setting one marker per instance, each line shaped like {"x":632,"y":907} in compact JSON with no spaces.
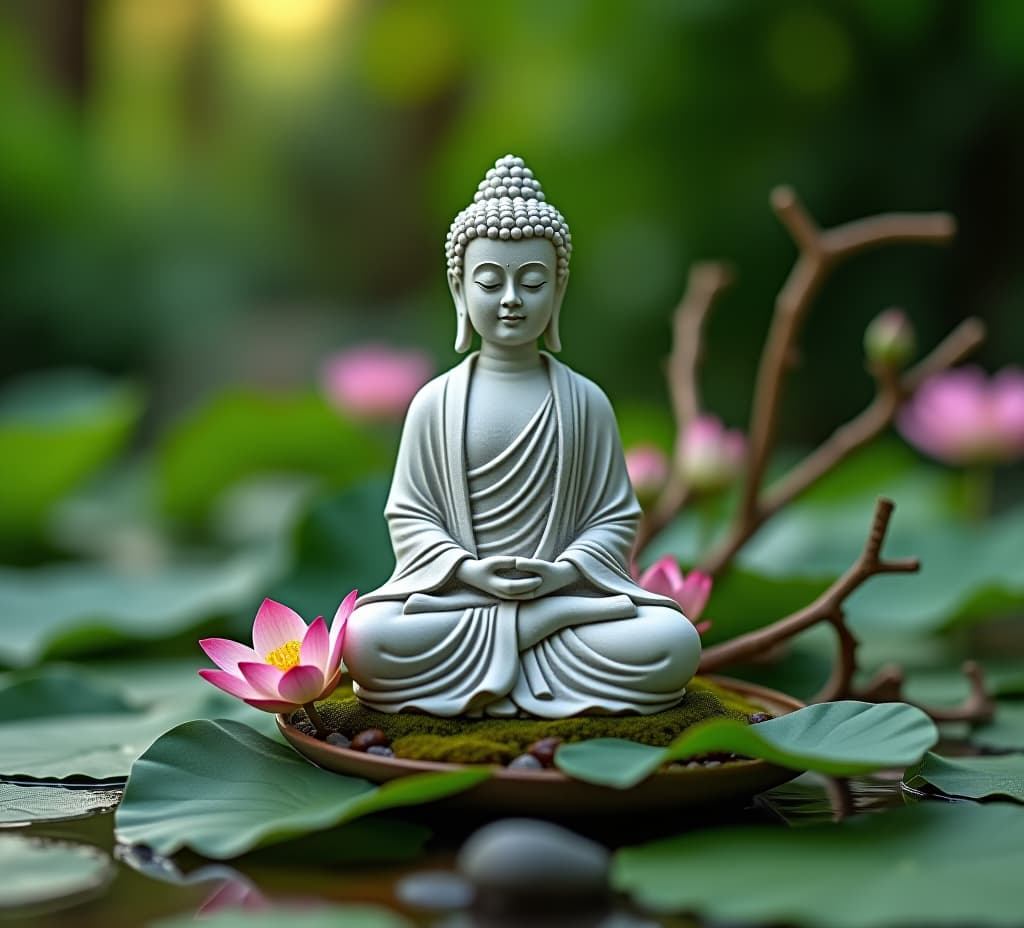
{"x":38,"y":871}
{"x":941,"y":864}
{"x":971,"y":777}
{"x":221,"y":789}
{"x":838,"y":738}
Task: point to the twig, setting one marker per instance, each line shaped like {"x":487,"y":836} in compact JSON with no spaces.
{"x":820,"y":251}
{"x":887,"y":684}
{"x":891,"y":393}
{"x":706,"y":281}
{"x":827,"y":607}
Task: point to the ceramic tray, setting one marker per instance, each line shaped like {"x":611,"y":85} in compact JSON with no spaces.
{"x":550,"y":792}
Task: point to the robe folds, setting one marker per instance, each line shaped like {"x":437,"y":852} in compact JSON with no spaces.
{"x":426,"y":642}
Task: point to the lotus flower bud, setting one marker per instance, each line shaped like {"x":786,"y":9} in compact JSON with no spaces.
{"x":711,"y":456}
{"x":889,"y":339}
{"x":648,"y":470}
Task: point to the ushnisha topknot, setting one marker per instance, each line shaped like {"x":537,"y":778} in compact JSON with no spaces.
{"x":509,"y":204}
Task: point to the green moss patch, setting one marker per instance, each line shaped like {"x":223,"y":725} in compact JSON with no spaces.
{"x":497,"y":741}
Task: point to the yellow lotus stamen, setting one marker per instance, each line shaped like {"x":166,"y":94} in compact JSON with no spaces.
{"x":286,"y":656}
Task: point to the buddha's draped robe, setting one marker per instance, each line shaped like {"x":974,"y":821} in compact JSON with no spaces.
{"x":424,"y":641}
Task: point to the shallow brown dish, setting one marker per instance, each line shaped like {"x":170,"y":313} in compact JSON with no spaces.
{"x":540,"y":792}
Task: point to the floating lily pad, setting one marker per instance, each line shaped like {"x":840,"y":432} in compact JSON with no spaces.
{"x":1006,"y":731}
{"x":244,"y":433}
{"x":62,"y":722}
{"x":839,"y":738}
{"x":221,"y":789}
{"x":57,"y":429}
{"x":24,"y":804}
{"x":929,"y":864}
{"x":74,"y":608}
{"x":37,"y":872}
{"x":971,"y":777}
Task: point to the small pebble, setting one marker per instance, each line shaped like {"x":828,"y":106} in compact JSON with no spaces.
{"x":755,"y":717}
{"x":305,"y":727}
{"x":693,"y":763}
{"x":528,"y":862}
{"x":437,"y":890}
{"x":338,"y":740}
{"x":544,"y":750}
{"x":368,"y":739}
{"x":380,"y":750}
{"x":525,"y":762}
{"x":712,"y":763}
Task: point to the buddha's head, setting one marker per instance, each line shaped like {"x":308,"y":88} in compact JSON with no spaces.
{"x":508,"y":260}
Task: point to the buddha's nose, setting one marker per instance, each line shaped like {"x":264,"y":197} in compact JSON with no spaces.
{"x":511,"y":300}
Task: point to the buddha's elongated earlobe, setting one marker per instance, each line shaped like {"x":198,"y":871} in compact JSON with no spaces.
{"x":552,"y":337}
{"x":463,"y":328}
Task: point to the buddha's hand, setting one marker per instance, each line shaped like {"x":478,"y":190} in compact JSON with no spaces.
{"x":484,"y":575}
{"x":553,"y":575}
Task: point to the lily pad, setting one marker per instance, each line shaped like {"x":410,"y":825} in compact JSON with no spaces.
{"x":244,"y":433}
{"x":1006,"y":731}
{"x":341,"y":544}
{"x":80,"y":726}
{"x":74,"y":608}
{"x":838,"y":738}
{"x":25,"y":804}
{"x":928,"y":864}
{"x":56,"y":430}
{"x":970,"y":777}
{"x":221,"y":789}
{"x":36,"y":872}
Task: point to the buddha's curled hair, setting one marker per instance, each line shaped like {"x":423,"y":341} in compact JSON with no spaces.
{"x":508,"y":204}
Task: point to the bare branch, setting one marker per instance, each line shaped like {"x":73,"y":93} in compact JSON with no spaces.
{"x":706,"y":281}
{"x":848,"y":438}
{"x":827,"y":607}
{"x":819,"y":252}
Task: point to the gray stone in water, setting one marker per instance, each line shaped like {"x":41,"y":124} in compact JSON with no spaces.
{"x":526,"y":762}
{"x":437,"y":890}
{"x":524,"y":859}
{"x":338,"y":740}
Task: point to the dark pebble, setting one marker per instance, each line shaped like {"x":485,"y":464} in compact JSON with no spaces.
{"x":544,"y":750}
{"x":525,"y":762}
{"x":380,"y":750}
{"x":756,"y":717}
{"x":338,"y":740}
{"x":438,"y":890}
{"x":370,"y":738}
{"x":305,"y":727}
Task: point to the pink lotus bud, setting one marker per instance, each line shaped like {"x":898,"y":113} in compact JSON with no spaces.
{"x":889,"y":339}
{"x":648,"y":470}
{"x":665,"y":578}
{"x":963,"y":417}
{"x":375,"y":381}
{"x":711,"y":456}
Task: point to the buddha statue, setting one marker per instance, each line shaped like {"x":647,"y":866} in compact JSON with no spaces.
{"x":511,"y":513}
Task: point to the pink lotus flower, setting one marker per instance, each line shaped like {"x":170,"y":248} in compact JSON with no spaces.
{"x":666,"y":579}
{"x":711,"y":456}
{"x":647,"y":466}
{"x":375,"y":381}
{"x":289,"y":664}
{"x":963,"y":417}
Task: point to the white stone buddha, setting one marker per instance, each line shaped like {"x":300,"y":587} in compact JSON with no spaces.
{"x":511,"y":514}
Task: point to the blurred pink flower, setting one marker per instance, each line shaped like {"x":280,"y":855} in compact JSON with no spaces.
{"x":648,"y":470}
{"x":711,"y":456}
{"x":289,"y":664}
{"x":235,"y":893}
{"x":375,"y":381}
{"x":665,"y":578}
{"x":964,"y":417}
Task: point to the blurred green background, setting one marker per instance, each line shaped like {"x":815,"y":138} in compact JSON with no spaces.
{"x":207,"y":193}
{"x":205,"y":201}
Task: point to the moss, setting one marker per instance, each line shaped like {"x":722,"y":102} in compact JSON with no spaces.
{"x":480,"y":741}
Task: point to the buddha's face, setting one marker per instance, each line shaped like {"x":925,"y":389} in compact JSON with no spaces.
{"x":509,"y":289}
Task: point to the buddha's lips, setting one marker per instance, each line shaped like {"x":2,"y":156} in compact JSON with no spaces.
{"x":511,"y":318}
